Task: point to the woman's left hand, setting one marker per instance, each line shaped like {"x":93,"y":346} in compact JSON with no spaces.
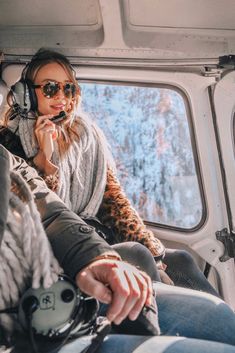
{"x":165,"y":278}
{"x":45,"y":132}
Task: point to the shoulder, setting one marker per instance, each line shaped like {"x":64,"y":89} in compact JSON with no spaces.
{"x":11,"y":141}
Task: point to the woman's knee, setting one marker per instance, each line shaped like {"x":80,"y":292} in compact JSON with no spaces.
{"x":138,"y":255}
{"x":133,"y":251}
{"x":180,"y":258}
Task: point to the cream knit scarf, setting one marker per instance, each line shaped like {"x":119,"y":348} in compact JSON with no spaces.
{"x":82,"y":172}
{"x":26,"y":258}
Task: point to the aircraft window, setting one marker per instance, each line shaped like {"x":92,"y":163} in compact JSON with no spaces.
{"x":149,"y":133}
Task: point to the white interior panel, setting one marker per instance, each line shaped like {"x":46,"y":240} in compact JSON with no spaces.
{"x":126,"y":29}
{"x":200,"y":14}
{"x":53,"y":12}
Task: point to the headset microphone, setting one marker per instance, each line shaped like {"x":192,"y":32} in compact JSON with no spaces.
{"x":58,"y":118}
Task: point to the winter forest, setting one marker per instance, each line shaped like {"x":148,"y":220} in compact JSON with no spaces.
{"x":149,"y":134}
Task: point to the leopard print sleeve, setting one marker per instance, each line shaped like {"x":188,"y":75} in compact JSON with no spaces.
{"x":116,"y":212}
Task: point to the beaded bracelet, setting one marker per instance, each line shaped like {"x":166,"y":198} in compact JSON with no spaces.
{"x":52,"y":181}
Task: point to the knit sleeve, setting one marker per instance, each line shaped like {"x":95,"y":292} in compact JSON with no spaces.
{"x":46,"y":169}
{"x":116,"y":212}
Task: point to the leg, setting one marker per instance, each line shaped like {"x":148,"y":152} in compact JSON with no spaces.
{"x":194,"y":314}
{"x":184,"y":272}
{"x":139,"y":256}
{"x":191,"y":313}
{"x":142,"y":344}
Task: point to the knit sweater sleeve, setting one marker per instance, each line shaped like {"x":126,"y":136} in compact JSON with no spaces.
{"x":116,"y":212}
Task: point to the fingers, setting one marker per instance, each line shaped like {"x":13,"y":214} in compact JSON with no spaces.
{"x":45,"y":132}
{"x":134,"y":302}
{"x":128,"y":288}
{"x":125,"y":293}
{"x":140,"y":293}
{"x":89,"y":285}
{"x":44,"y":118}
{"x":44,"y":125}
{"x":149,"y":288}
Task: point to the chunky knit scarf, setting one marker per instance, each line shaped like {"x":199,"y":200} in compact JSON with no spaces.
{"x":82,"y":170}
{"x":26,"y":258}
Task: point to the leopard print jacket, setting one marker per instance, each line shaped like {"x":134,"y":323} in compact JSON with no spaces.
{"x":117,"y":213}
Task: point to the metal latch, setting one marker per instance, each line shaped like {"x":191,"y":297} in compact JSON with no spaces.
{"x":228,"y":239}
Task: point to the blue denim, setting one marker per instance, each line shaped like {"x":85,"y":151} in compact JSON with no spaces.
{"x":190,"y":321}
{"x":194,"y":314}
{"x":141,"y":344}
{"x":184,"y":272}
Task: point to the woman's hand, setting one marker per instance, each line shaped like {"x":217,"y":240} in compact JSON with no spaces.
{"x":45,"y":132}
{"x":163,"y":275}
{"x":119,"y":284}
{"x":165,"y":278}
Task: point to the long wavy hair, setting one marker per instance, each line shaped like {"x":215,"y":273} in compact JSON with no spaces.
{"x":43,"y":57}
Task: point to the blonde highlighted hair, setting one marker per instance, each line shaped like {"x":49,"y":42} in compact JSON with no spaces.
{"x":43,"y":57}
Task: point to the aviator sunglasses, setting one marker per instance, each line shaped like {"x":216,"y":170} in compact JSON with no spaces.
{"x":51,"y":88}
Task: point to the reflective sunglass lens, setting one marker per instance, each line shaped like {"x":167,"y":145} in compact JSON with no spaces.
{"x":50,"y":89}
{"x":69,"y":89}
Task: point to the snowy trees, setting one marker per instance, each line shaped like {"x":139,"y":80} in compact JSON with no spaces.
{"x":148,"y":130}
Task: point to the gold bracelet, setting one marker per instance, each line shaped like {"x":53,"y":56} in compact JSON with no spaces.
{"x":109,"y":256}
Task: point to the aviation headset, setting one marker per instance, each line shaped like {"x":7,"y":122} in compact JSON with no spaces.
{"x":24,"y":96}
{"x":23,"y":92}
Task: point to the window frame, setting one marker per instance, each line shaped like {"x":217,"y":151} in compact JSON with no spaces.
{"x":191,"y":128}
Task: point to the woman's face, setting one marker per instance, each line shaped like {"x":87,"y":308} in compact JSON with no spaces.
{"x":52,"y":72}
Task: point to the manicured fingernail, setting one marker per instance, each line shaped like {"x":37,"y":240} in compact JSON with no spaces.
{"x":118,"y":322}
{"x":133,"y":316}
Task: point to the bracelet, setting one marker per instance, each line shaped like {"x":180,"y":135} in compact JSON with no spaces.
{"x":52,"y":181}
{"x":110,"y":256}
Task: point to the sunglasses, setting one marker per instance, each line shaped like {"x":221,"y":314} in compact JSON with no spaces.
{"x":51,"y":89}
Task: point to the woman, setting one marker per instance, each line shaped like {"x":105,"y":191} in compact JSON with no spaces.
{"x":72,"y":156}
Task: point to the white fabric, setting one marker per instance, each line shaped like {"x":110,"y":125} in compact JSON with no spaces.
{"x":26,"y":258}
{"x":82,"y":170}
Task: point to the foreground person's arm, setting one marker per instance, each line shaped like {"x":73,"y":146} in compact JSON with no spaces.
{"x":119,"y":284}
{"x":84,"y":255}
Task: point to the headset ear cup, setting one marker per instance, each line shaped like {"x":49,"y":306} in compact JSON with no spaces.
{"x":24,"y":96}
{"x":32,"y":95}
